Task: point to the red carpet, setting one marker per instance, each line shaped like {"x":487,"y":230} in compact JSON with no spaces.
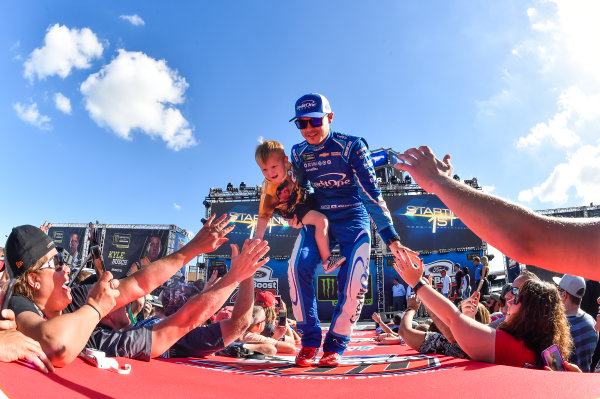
{"x":368,"y":370}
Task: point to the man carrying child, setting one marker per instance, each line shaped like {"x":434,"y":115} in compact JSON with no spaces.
{"x":340,"y":170}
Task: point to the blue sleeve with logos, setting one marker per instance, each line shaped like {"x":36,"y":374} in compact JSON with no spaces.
{"x":364,"y":172}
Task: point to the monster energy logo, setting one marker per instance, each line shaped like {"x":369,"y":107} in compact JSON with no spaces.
{"x":327,"y":290}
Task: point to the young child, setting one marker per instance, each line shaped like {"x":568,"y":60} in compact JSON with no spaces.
{"x":282,"y":194}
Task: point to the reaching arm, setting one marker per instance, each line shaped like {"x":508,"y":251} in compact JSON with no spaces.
{"x":63,"y":337}
{"x":142,"y":282}
{"x":476,"y":339}
{"x":383,"y":326}
{"x":261,"y":227}
{"x":413,"y":338}
{"x":202,"y":306}
{"x":562,"y":245}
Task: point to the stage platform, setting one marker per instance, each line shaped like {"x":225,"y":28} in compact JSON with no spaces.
{"x":368,"y":370}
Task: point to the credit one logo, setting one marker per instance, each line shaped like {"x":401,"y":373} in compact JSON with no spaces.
{"x":331,"y":180}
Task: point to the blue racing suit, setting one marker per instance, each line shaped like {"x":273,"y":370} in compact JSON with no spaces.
{"x":341,"y":173}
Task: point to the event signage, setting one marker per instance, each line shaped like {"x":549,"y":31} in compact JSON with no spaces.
{"x":425,"y":223}
{"x":71,"y":239}
{"x":128,"y":249}
{"x":280,"y":235}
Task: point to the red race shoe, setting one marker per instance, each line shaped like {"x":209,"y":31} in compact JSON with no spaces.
{"x":306,"y":357}
{"x":330,"y":359}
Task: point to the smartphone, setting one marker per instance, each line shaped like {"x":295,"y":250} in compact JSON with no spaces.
{"x":7,"y":295}
{"x":278,"y":299}
{"x":553,"y":359}
{"x":282,"y":318}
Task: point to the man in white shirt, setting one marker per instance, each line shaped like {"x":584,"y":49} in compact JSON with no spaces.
{"x":445,"y":284}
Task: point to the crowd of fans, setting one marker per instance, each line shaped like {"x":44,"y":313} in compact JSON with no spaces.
{"x":48,"y":322}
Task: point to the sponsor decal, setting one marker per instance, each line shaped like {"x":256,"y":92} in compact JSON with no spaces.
{"x":306,"y":104}
{"x":121,"y":240}
{"x":347,"y":149}
{"x":327,"y":289}
{"x":263,"y":281}
{"x":360,"y":366}
{"x":336,"y":154}
{"x":323,"y":155}
{"x":57,"y":236}
{"x":19,"y":264}
{"x":308,"y":157}
{"x":331,"y":180}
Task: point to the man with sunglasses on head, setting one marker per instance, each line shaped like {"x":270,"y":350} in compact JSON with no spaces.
{"x":340,"y":170}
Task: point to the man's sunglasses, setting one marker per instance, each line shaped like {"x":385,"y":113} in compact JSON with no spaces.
{"x":314,"y":122}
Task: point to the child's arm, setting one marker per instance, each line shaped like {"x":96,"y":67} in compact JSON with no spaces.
{"x":261,"y":227}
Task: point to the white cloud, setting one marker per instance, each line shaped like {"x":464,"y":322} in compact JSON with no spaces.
{"x":261,"y":139}
{"x":136,"y":92}
{"x":30,"y":114}
{"x":62,"y":103}
{"x":176,"y":206}
{"x":134,"y":19}
{"x":63,"y":50}
{"x":556,"y":129}
{"x":581,"y":172}
{"x":575,"y":109}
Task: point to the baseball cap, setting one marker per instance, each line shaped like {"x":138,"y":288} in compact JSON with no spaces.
{"x":265,"y":299}
{"x":574,"y":285}
{"x":311,"y":105}
{"x":26,"y":245}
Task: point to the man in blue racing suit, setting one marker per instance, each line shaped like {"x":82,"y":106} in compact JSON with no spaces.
{"x":341,"y":172}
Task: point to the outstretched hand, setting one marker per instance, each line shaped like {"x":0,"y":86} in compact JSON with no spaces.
{"x":469,"y":305}
{"x":45,"y":227}
{"x":408,"y":264}
{"x":16,"y":346}
{"x":424,"y":167}
{"x":212,"y":235}
{"x":244,"y":264}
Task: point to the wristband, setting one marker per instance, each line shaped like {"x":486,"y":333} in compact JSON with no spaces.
{"x":410,"y":308}
{"x":417,"y":286}
{"x":391,"y":240}
{"x":97,"y":311}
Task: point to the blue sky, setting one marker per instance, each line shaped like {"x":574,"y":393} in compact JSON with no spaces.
{"x":128,"y":112}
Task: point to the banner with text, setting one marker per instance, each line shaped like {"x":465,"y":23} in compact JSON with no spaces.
{"x":124,"y":247}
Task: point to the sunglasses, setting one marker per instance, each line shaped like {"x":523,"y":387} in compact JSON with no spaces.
{"x":314,"y":122}
{"x":515,"y":292}
{"x":55,"y":263}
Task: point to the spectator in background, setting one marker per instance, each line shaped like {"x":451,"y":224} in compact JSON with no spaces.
{"x":585,"y":338}
{"x":493,"y":303}
{"x":478,"y":272}
{"x":466,"y":283}
{"x":535,"y":321}
{"x":484,"y":284}
{"x":398,"y":296}
{"x":255,"y":341}
{"x":457,"y":288}
{"x":445,"y":284}
{"x":272,"y":307}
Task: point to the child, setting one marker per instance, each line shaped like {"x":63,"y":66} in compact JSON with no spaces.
{"x":282,"y":194}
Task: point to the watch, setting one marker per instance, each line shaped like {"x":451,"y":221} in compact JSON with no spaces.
{"x":417,"y":286}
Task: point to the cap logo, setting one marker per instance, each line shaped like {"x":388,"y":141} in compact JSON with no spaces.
{"x":19,"y":264}
{"x":306,"y":104}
